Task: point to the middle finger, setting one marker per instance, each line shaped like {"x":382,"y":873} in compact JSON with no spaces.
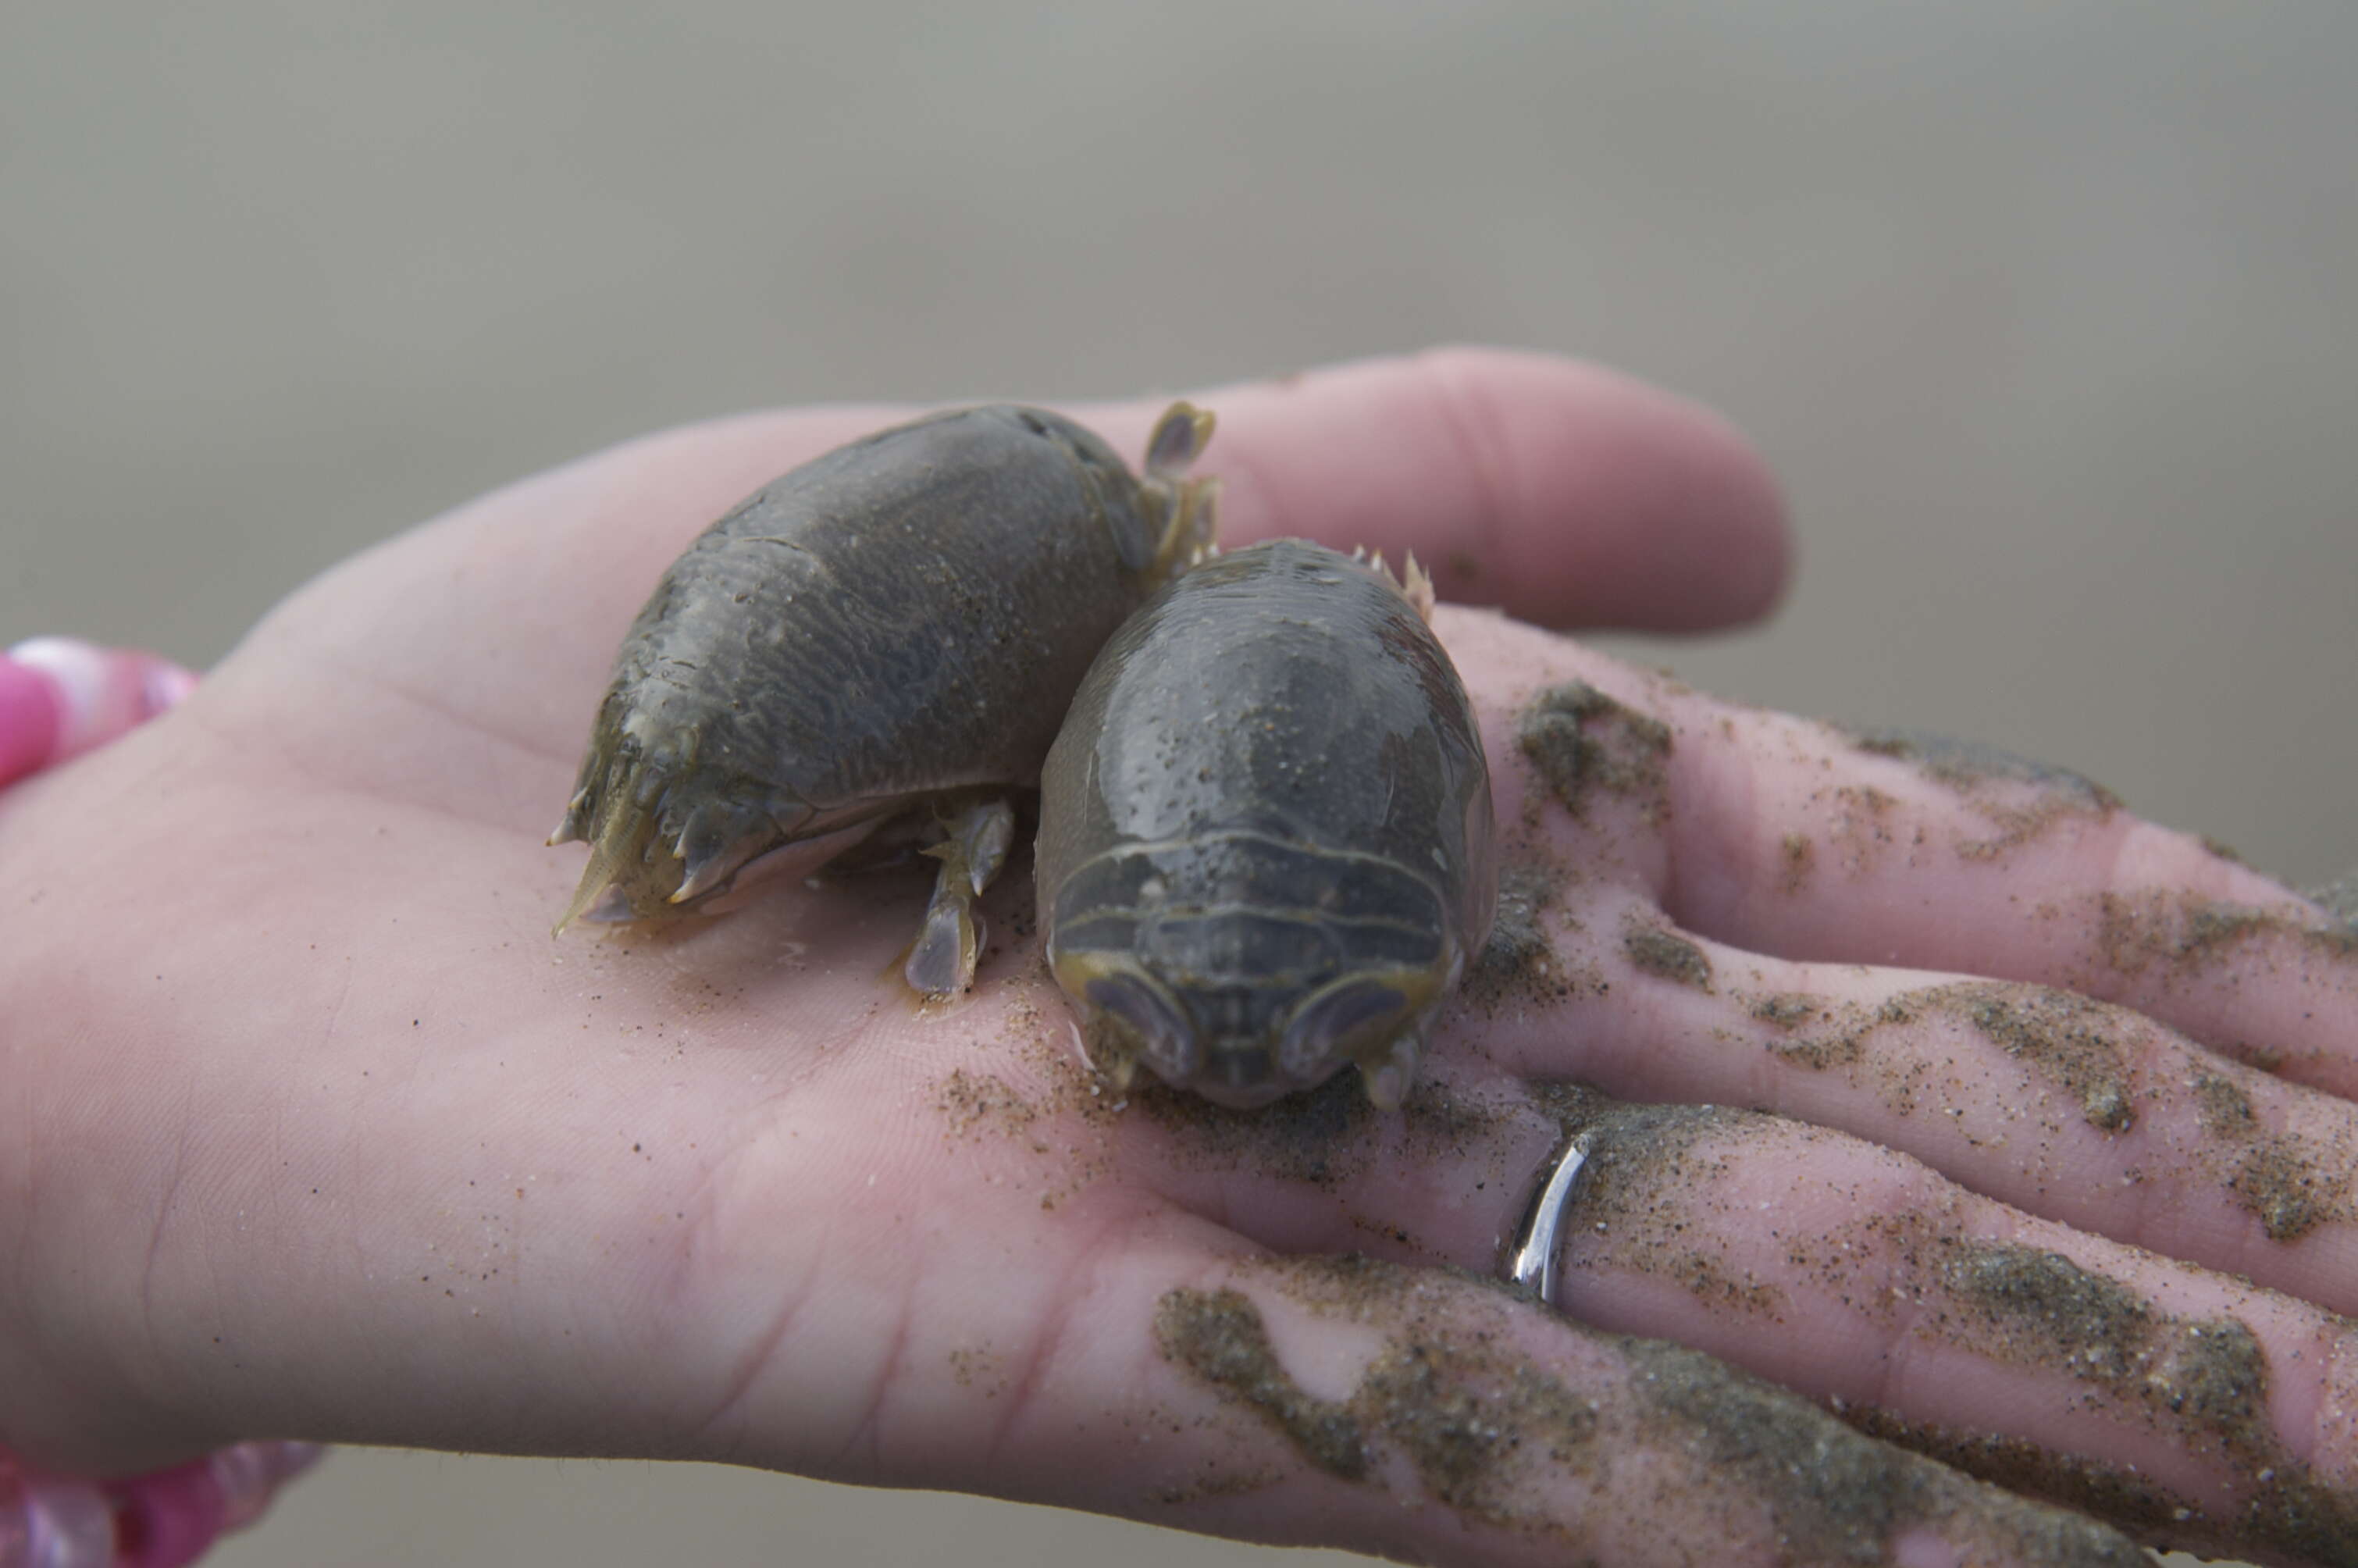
{"x":2080,"y":1111}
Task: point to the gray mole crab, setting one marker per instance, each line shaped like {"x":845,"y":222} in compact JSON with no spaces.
{"x":892,"y":630}
{"x":1265,"y":843}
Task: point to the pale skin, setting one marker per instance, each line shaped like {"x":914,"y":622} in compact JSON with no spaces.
{"x":308,"y":1128}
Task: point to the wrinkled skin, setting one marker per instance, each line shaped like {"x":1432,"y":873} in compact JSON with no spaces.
{"x":307,"y":1128}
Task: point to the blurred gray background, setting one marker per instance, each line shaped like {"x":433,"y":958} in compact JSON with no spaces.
{"x":2046,"y":313}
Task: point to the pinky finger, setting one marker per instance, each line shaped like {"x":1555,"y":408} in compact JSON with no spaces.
{"x":60,"y":696}
{"x":1425,"y":1415}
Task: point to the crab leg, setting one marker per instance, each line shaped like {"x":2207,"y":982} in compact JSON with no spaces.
{"x":942,"y":960}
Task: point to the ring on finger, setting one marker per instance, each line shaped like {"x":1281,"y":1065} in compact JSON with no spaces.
{"x":1529,"y":1258}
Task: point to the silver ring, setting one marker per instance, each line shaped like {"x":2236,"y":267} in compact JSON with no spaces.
{"x":1531,"y":1259}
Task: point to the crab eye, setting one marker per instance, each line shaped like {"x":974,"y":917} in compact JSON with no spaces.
{"x":1166,"y":1039}
{"x":1341,"y":1022}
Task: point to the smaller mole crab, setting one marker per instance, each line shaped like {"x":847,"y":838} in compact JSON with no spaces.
{"x":890,"y":631}
{"x":1265,"y":830}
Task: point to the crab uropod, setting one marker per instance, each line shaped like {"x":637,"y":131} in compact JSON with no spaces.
{"x":1265,"y":830}
{"x":891,"y":632}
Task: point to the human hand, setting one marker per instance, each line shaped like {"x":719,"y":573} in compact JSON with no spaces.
{"x":313,"y":1132}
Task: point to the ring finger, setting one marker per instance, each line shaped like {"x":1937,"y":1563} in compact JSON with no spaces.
{"x":2197,"y":1409}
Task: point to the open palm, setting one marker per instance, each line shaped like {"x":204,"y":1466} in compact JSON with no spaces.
{"x":308,"y":1129}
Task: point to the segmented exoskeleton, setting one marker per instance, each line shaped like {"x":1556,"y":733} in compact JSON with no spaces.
{"x":1265,"y":842}
{"x":894,"y":628}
